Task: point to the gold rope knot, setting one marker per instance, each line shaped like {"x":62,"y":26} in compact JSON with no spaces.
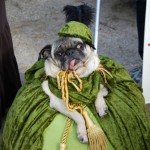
{"x":63,"y":78}
{"x":102,"y":71}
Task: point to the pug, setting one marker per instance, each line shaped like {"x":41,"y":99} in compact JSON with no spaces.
{"x":72,"y":54}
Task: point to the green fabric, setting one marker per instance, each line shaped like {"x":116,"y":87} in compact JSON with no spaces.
{"x":76,"y":29}
{"x":126,"y":126}
{"x":57,"y":127}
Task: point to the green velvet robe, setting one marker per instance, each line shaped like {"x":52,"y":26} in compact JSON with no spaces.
{"x":126,"y":126}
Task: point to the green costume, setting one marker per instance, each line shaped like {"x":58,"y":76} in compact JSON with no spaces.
{"x":126,"y":125}
{"x":32,"y":125}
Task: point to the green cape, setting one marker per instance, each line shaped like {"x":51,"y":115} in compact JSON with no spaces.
{"x":126,"y":125}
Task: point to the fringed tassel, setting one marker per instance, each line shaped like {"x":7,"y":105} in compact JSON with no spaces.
{"x":97,"y":139}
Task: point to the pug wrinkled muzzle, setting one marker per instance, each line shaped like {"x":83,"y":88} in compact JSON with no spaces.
{"x":69,"y":53}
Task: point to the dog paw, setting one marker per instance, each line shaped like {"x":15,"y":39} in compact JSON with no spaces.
{"x":101,"y":107}
{"x":102,"y":110}
{"x":103,"y":90}
{"x":82,"y":134}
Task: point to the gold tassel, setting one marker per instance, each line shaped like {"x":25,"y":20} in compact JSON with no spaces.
{"x":97,"y":139}
{"x":62,"y":146}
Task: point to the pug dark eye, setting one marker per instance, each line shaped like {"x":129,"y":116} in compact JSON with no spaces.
{"x":80,"y":46}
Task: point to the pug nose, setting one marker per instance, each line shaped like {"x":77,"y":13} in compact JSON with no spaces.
{"x":70,"y":52}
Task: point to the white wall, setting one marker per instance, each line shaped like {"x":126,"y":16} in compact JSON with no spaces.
{"x":146,"y":59}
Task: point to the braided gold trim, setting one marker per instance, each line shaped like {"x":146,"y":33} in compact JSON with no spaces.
{"x":65,"y":134}
{"x":102,"y":71}
{"x":97,"y":140}
{"x":63,"y":78}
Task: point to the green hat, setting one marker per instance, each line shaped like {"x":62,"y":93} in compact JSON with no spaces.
{"x":77,"y":29}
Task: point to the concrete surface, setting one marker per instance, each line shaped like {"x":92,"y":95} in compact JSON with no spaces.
{"x":35,"y":23}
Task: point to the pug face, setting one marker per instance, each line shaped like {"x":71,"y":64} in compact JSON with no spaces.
{"x":71,"y":54}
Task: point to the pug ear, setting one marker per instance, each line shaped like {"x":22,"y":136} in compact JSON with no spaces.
{"x":45,"y":52}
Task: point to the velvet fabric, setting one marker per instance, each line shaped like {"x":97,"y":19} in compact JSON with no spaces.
{"x":57,"y":127}
{"x":126,"y":126}
{"x":78,"y":30}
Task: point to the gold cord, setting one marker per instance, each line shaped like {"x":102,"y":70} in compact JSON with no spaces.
{"x":97,"y":140}
{"x":63,"y":78}
{"x":102,"y":71}
{"x":65,"y":134}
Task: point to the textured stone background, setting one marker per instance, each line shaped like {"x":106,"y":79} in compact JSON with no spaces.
{"x":35,"y":23}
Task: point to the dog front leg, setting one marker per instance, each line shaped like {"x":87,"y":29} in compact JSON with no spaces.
{"x":60,"y":106}
{"x":100,"y":103}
